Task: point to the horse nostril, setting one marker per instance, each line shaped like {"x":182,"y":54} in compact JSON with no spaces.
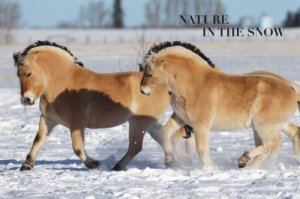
{"x":26,"y":99}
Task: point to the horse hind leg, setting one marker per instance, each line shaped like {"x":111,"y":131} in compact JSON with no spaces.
{"x":137,"y":128}
{"x":156,"y":132}
{"x":275,"y":147}
{"x":293,"y":132}
{"x":270,"y":142}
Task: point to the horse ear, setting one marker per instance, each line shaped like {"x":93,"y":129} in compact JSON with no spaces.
{"x":30,"y":58}
{"x":159,"y":61}
{"x":141,"y":68}
{"x":33,"y":55}
{"x":16,"y":56}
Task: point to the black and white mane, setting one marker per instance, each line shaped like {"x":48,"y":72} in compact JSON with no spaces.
{"x":156,"y":48}
{"x":19,"y":55}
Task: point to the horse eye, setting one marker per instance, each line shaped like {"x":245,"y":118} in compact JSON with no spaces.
{"x":149,"y":75}
{"x":28,"y":74}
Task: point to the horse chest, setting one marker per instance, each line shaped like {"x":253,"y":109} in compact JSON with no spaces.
{"x":48,"y":110}
{"x":179,"y":107}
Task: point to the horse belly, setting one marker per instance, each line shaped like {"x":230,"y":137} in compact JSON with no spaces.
{"x":232,"y":122}
{"x":108,"y":119}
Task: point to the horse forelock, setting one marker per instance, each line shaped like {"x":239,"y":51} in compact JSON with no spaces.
{"x":18,"y":57}
{"x":157,"y":48}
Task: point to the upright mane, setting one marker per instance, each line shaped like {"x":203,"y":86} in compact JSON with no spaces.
{"x":156,"y":48}
{"x":18,"y":55}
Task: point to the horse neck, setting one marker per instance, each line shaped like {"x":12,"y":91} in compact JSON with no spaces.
{"x":60,"y":75}
{"x":191,"y":71}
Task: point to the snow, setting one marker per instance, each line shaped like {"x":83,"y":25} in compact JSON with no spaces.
{"x":58,"y":172}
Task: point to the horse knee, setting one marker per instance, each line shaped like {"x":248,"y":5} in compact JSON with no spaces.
{"x":276,"y":143}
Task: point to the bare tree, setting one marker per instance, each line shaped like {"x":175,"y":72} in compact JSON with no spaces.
{"x":185,"y":7}
{"x":152,"y":13}
{"x":117,"y":14}
{"x":172,"y":9}
{"x":220,"y":8}
{"x":94,"y":15}
{"x":10,"y":15}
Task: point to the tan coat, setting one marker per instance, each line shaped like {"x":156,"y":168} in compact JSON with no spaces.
{"x":208,"y":99}
{"x":78,"y":98}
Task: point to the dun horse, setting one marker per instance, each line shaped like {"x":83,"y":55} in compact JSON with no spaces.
{"x":208,"y":99}
{"x":290,"y":129}
{"x":73,"y":96}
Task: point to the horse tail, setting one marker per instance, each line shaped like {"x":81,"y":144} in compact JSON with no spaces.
{"x":296,"y":88}
{"x":291,"y":129}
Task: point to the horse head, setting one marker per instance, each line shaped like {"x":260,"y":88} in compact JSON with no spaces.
{"x":38,"y":63}
{"x":32,"y":77}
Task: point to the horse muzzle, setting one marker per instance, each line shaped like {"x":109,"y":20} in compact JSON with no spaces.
{"x":146,"y":90}
{"x":28,"y":98}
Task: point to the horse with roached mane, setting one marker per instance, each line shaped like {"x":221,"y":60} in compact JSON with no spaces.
{"x":208,"y":99}
{"x":78,"y":98}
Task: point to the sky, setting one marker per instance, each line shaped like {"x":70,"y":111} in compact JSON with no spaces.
{"x":48,"y":13}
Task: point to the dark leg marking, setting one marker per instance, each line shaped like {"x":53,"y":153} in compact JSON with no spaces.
{"x":77,"y":152}
{"x":28,"y":164}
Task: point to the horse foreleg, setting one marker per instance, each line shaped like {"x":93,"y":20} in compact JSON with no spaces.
{"x":189,"y":145}
{"x":173,"y":125}
{"x":156,"y":132}
{"x":78,"y":147}
{"x":202,"y":145}
{"x":45,"y":128}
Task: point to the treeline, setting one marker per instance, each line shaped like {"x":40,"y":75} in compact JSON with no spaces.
{"x":10,"y":15}
{"x":97,"y":15}
{"x":165,"y":13}
{"x":292,"y":19}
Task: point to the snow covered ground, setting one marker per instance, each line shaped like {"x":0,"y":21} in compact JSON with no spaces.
{"x":58,"y":173}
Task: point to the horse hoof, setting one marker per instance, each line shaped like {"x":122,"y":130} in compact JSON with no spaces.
{"x":25,"y":167}
{"x":171,"y":165}
{"x":92,"y":164}
{"x":242,"y":165}
{"x":243,"y":160}
{"x":117,"y":167}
